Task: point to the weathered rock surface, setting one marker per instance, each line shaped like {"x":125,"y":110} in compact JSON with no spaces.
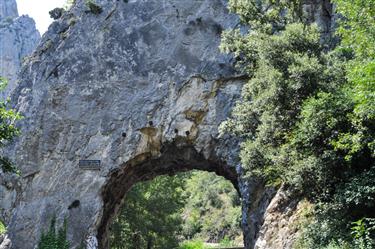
{"x":141,"y":87}
{"x":8,"y":9}
{"x":282,"y":222}
{"x":5,"y":242}
{"x":9,"y":186}
{"x":18,"y":38}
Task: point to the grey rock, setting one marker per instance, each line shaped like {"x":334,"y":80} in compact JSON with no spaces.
{"x":5,"y":242}
{"x":8,"y":9}
{"x":141,"y":87}
{"x":9,"y":186}
{"x":18,"y":38}
{"x":282,"y":219}
{"x":149,"y":69}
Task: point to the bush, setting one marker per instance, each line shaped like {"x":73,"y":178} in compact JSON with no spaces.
{"x":337,"y":245}
{"x":226,"y":242}
{"x":307,"y":112}
{"x":56,"y":13}
{"x":93,"y":7}
{"x":3,"y":229}
{"x":8,"y":130}
{"x":363,"y":233}
{"x":196,"y":244}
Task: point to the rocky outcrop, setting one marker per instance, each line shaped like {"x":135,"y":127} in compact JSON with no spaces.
{"x":9,"y":186}
{"x":142,"y":87}
{"x":122,"y":95}
{"x":18,"y":38}
{"x":8,"y":9}
{"x":283,"y":221}
{"x":5,"y":242}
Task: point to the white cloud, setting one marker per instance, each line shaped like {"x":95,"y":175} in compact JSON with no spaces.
{"x":38,"y":10}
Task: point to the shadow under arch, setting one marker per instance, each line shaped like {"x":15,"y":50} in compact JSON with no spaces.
{"x":173,"y":159}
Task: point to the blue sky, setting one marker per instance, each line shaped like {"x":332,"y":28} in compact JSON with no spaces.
{"x":38,"y":10}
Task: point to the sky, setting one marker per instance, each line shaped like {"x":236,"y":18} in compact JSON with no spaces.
{"x":38,"y":10}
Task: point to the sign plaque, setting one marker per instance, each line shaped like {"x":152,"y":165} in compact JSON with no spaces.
{"x":89,"y":164}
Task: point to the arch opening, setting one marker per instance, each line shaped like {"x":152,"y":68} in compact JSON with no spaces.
{"x":195,"y":208}
{"x":173,"y":159}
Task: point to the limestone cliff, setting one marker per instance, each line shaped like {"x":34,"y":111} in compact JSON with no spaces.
{"x":140,"y":86}
{"x":18,"y":38}
{"x":120,"y":94}
{"x":8,"y":9}
{"x":284,"y":217}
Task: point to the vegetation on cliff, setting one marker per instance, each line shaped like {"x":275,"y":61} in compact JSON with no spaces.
{"x":307,"y":115}
{"x":8,"y":130}
{"x":2,"y":228}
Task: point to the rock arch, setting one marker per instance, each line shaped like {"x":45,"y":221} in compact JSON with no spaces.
{"x":174,"y":158}
{"x":142,"y":87}
{"x":134,"y":86}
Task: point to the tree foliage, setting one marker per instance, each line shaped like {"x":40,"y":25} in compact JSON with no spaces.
{"x":307,"y":113}
{"x":285,"y":69}
{"x":213,"y":210}
{"x":53,"y":239}
{"x":8,"y":130}
{"x":3,"y":228}
{"x":150,"y":217}
{"x":268,"y":16}
{"x":189,"y":207}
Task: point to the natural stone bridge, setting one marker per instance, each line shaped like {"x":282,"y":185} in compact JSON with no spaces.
{"x":142,"y":87}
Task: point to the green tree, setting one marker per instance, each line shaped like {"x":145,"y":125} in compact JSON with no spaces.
{"x":285,"y":69}
{"x":53,"y":239}
{"x":357,"y":31}
{"x":213,"y":210}
{"x":8,"y":130}
{"x":337,"y":130}
{"x":307,"y":113}
{"x":167,"y":210}
{"x":268,"y":16}
{"x":347,"y":125}
{"x":151,"y":215}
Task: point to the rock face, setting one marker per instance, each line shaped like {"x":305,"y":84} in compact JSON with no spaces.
{"x":283,"y":220}
{"x":140,"y":86}
{"x":18,"y":38}
{"x":8,"y":9}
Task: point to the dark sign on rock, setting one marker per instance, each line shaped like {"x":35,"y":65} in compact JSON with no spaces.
{"x":89,"y":164}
